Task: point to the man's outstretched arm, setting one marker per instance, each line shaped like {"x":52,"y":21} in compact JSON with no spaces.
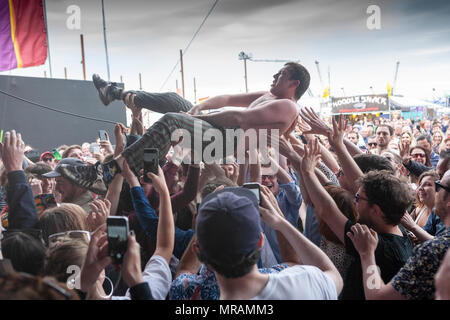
{"x":232,"y":100}
{"x":277,"y":114}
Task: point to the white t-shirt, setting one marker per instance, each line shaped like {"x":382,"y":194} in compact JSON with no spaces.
{"x":158,"y":276}
{"x":299,"y":283}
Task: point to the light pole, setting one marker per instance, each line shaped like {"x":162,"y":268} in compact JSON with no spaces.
{"x":243,"y":56}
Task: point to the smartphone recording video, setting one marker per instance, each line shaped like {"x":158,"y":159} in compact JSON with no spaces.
{"x":151,"y":161}
{"x":255,"y":188}
{"x":102,"y":135}
{"x":118,"y":230}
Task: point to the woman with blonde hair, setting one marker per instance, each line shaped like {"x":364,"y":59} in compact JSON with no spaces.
{"x":64,"y":218}
{"x":438,"y":139}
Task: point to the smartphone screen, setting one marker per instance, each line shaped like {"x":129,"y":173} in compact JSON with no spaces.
{"x":150,"y":162}
{"x":253,"y":187}
{"x":102,"y":135}
{"x":117,"y":229}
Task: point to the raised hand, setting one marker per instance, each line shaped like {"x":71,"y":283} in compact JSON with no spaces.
{"x":96,"y":259}
{"x":129,"y":102}
{"x":269,"y":210}
{"x":12,"y":151}
{"x":403,"y":148}
{"x":336,"y":137}
{"x":36,"y":186}
{"x":234,"y":177}
{"x":106,"y":146}
{"x":304,"y":128}
{"x":285,"y":147}
{"x":137,"y":127}
{"x":364,"y":239}
{"x":158,"y":181}
{"x":317,"y":125}
{"x":312,"y":156}
{"x":100,"y":211}
{"x":129,"y":176}
{"x":131,"y":265}
{"x":120,"y":132}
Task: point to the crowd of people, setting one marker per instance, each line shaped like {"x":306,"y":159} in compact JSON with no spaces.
{"x":345,"y":210}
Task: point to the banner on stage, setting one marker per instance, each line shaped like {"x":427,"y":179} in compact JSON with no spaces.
{"x":360,"y":104}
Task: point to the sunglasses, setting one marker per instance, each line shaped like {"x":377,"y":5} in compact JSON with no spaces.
{"x":418,"y":155}
{"x":47,"y":159}
{"x":438,"y":186}
{"x":372,"y":144}
{"x":358,"y":197}
{"x":55,"y":238}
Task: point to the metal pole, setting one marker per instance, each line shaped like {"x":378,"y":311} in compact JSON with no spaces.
{"x":83,"y":62}
{"x":45,"y":74}
{"x":140,"y":82}
{"x":195,"y":92}
{"x":65,"y":73}
{"x":48,"y":42}
{"x":182,"y":72}
{"x":106,"y":45}
{"x":121,"y":81}
{"x":245,"y":74}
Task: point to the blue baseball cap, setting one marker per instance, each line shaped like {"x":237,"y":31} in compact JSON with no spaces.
{"x":228,"y":225}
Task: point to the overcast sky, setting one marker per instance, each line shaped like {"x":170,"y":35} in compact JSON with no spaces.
{"x":146,"y":36}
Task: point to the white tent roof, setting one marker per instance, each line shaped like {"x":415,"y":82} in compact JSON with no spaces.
{"x":411,"y":102}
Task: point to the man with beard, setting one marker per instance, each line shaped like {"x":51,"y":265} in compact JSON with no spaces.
{"x":415,"y":280}
{"x":384,"y":134}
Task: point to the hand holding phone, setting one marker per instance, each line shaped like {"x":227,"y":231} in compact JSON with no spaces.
{"x":118,"y":230}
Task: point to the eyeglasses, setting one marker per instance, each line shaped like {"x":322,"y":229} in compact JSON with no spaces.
{"x":358,"y":197}
{"x":267,"y":176}
{"x":47,"y":159}
{"x":418,"y":155}
{"x":438,"y":186}
{"x":372,"y":144}
{"x":69,"y":235}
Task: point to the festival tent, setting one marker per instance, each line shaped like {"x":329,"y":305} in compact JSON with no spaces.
{"x":412,"y":107}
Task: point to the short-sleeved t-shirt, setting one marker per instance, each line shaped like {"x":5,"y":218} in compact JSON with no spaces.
{"x":415,"y":281}
{"x":391,"y":254}
{"x":299,"y":283}
{"x":203,"y":285}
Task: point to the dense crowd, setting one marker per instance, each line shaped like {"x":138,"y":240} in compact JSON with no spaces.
{"x":353,"y":208}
